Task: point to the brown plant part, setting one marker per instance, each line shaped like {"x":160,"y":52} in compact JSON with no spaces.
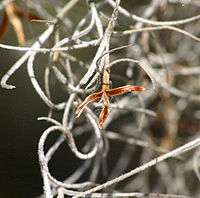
{"x":56,"y":40}
{"x":104,"y":95}
{"x":12,"y":15}
{"x":4,"y":25}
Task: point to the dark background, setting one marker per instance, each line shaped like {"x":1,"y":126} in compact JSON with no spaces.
{"x":19,"y":134}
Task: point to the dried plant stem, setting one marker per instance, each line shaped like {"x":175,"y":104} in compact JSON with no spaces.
{"x":146,"y":21}
{"x":155,"y":29}
{"x":131,"y":129}
{"x":104,"y":42}
{"x":36,"y":45}
{"x":187,"y":147}
{"x":18,"y":64}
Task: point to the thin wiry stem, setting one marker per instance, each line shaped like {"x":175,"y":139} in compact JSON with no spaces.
{"x":47,"y":87}
{"x":76,"y":175}
{"x":77,"y":35}
{"x":118,"y":194}
{"x":37,"y":87}
{"x":69,"y":72}
{"x":66,"y":9}
{"x":105,"y":40}
{"x":44,"y":165}
{"x":146,"y":21}
{"x":65,"y":82}
{"x":142,"y":118}
{"x":36,"y":45}
{"x":148,"y":12}
{"x":67,"y":110}
{"x":126,"y":32}
{"x":59,"y":49}
{"x":114,"y":136}
{"x":196,"y":163}
{"x":186,"y":71}
{"x":172,"y":89}
{"x":187,"y":147}
{"x":127,"y":108}
{"x":95,"y":20}
{"x":144,"y":67}
{"x":19,"y":63}
{"x":51,"y":120}
{"x":171,"y":112}
{"x":78,"y":154}
{"x":79,"y":172}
